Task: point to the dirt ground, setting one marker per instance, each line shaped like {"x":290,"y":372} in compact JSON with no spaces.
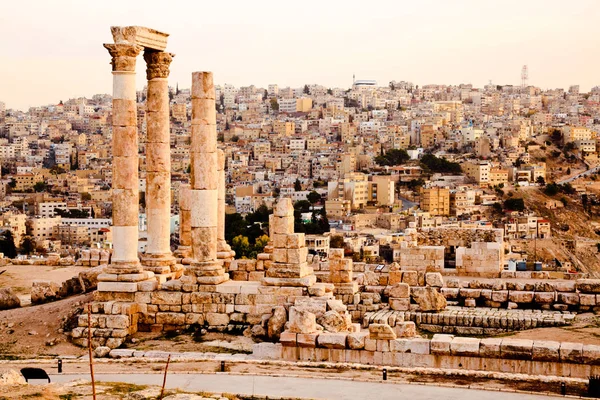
{"x":20,"y":277}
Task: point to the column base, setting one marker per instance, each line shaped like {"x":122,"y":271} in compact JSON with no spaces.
{"x":349,"y":288}
{"x":183,"y":252}
{"x":158,"y":263}
{"x":207,"y":272}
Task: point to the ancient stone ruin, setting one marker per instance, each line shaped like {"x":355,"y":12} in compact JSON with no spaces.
{"x":336,"y":310}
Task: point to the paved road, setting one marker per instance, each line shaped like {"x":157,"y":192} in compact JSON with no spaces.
{"x":302,"y":387}
{"x":584,"y":173}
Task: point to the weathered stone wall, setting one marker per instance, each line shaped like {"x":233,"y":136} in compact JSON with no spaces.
{"x":422,"y":258}
{"x":517,"y":356}
{"x":483,"y":259}
{"x":458,"y":237}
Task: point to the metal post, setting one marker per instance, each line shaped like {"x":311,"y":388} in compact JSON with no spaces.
{"x":60,"y":366}
{"x":385,"y":374}
{"x":563,"y":388}
{"x":222,"y":366}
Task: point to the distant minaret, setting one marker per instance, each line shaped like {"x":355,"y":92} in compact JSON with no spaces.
{"x":353,"y":78}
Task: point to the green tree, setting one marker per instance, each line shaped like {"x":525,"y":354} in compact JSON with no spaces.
{"x":274,"y":104}
{"x":259,"y":245}
{"x":540,"y":181}
{"x":40,"y":187}
{"x":432,"y":163}
{"x":85,"y":196}
{"x":241,"y":246}
{"x":313,"y":197}
{"x":393,"y":157}
{"x":514,"y":204}
{"x":306,"y":89}
{"x":297,"y":185}
{"x":27,"y":245}
{"x":336,"y":242}
{"x":235,"y":138}
{"x":7,"y":244}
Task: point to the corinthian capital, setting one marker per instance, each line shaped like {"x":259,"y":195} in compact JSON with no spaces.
{"x":157,"y":63}
{"x":123,"y":56}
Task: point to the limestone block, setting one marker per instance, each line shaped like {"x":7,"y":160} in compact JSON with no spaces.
{"x":591,"y":354}
{"x":283,"y":225}
{"x":356,"y":340}
{"x":490,"y":347}
{"x":44,"y":291}
{"x":400,"y":291}
{"x":520,"y":296}
{"x":297,"y":255}
{"x":544,"y":350}
{"x":416,"y":345}
{"x":280,"y":255}
{"x":544,"y":297}
{"x":588,"y":285}
{"x":395,"y":277}
{"x":130,"y":287}
{"x":125,"y":142}
{"x":284,"y":208}
{"x":571,"y":352}
{"x":124,"y":112}
{"x":217,"y":319}
{"x":333,"y":321}
{"x":307,"y":339}
{"x":117,"y":321}
{"x":516,"y":348}
{"x":288,"y":338}
{"x":204,"y":243}
{"x":399,"y":304}
{"x":429,"y":299}
{"x":170,"y":318}
{"x":203,"y":139}
{"x":381,"y":332}
{"x":170,"y":298}
{"x":336,"y":253}
{"x":440,"y":344}
{"x":296,"y":241}
{"x":568,"y":298}
{"x":302,"y":320}
{"x":465,"y":346}
{"x":500,"y":296}
{"x":204,"y":175}
{"x":470,"y":303}
{"x":564,"y":286}
{"x":332,"y":340}
{"x":587,"y":299}
{"x":405,"y":329}
{"x":280,"y":240}
{"x":434,"y":279}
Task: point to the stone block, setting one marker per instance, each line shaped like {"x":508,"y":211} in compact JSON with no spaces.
{"x":544,"y":297}
{"x":465,"y":346}
{"x":280,"y":255}
{"x":307,"y":339}
{"x":434,"y":279}
{"x":399,"y":291}
{"x":170,"y":298}
{"x":296,"y":241}
{"x":170,"y":318}
{"x":410,"y":277}
{"x":400,"y":304}
{"x":571,"y":352}
{"x":588,"y":285}
{"x":288,"y":338}
{"x":490,"y":347}
{"x":332,"y":340}
{"x":406,"y":329}
{"x":440,"y":344}
{"x":126,"y":287}
{"x":217,"y":319}
{"x":591,"y":354}
{"x":356,"y":340}
{"x":302,"y":320}
{"x":500,"y":296}
{"x":381,"y":332}
{"x":521,"y":349}
{"x":544,"y":350}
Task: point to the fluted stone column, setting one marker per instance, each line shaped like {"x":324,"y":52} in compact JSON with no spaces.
{"x":158,"y":257}
{"x":185,"y":228}
{"x":204,"y":182}
{"x":224,"y":251}
{"x":125,"y":186}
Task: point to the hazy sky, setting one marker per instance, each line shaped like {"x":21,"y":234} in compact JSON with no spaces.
{"x":52,"y":50}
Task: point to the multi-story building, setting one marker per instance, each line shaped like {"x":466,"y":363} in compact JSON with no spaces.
{"x":435,"y":201}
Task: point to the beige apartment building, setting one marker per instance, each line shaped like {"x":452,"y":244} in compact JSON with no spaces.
{"x":435,"y":201}
{"x":479,"y":171}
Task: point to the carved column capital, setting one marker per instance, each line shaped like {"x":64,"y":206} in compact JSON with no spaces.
{"x":123,"y":56}
{"x":157,"y":64}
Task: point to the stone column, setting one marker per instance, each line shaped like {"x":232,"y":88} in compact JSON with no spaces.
{"x":158,"y":257}
{"x":185,"y":228}
{"x":204,"y":182}
{"x":125,"y":269}
{"x":224,"y":251}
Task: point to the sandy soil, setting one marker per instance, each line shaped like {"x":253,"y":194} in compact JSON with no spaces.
{"x":20,"y":277}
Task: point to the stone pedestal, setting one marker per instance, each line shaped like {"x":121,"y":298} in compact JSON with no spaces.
{"x":288,"y":266}
{"x":341,"y":275}
{"x":204,"y":183}
{"x":158,"y":257}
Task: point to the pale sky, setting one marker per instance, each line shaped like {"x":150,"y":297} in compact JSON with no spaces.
{"x":52,"y":50}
